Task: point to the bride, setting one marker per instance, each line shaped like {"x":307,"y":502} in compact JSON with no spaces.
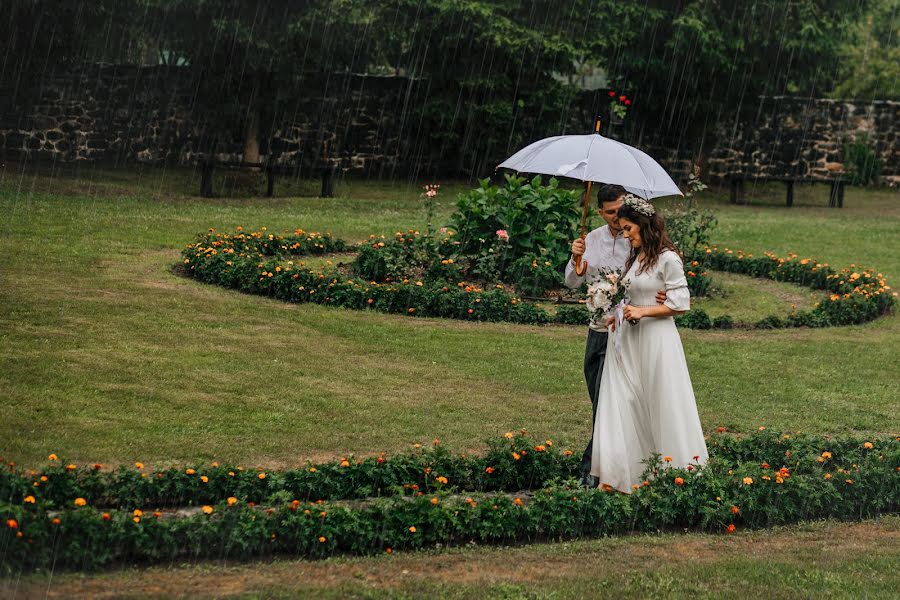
{"x":646,"y":402}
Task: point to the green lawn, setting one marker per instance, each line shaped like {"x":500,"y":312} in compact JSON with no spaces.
{"x":107,"y":356}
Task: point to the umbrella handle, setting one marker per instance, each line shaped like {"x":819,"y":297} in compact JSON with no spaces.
{"x":580,"y":265}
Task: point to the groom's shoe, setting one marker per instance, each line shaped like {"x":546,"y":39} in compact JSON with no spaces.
{"x":589,"y":481}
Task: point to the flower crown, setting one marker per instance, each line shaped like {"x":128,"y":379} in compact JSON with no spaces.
{"x":639,"y":204}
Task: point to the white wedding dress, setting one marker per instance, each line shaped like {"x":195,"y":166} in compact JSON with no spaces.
{"x":646,"y":402}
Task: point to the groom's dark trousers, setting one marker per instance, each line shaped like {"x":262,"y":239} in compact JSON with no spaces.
{"x":594,"y":357}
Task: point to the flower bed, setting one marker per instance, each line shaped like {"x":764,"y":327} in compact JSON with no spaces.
{"x":263,"y":263}
{"x":761,"y":480}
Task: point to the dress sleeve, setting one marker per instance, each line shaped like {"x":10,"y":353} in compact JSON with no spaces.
{"x":678,"y":297}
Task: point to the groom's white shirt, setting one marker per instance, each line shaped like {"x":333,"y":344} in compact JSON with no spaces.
{"x":602,"y":251}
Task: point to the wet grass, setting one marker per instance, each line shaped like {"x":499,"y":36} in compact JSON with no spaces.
{"x":107,"y":356}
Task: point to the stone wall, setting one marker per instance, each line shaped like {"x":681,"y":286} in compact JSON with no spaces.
{"x":805,"y":138}
{"x":118,"y":113}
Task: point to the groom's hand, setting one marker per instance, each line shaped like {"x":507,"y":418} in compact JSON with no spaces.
{"x":578,"y":247}
{"x":661,"y":297}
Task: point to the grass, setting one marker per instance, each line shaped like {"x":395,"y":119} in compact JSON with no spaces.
{"x":106,"y":356}
{"x":814,"y":560}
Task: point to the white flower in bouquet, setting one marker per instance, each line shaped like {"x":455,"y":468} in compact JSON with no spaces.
{"x":603,"y":294}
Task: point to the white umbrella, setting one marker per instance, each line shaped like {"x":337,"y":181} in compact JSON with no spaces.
{"x":592,"y":158}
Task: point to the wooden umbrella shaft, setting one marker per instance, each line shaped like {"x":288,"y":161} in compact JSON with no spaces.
{"x":581,"y":266}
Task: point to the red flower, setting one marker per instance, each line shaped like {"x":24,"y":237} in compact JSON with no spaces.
{"x":622,"y":98}
{"x":627,"y":102}
{"x":612,"y":94}
{"x":731,"y":528}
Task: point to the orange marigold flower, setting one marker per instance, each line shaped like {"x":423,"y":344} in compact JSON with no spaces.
{"x":80,"y":502}
{"x":517,"y":502}
{"x":157,"y":514}
{"x":98,"y":466}
{"x":679,"y":481}
{"x":668,"y":459}
{"x":539,"y":448}
{"x":262,"y":475}
{"x":412,"y":529}
{"x":12,"y":523}
{"x":735,"y":510}
{"x":826,"y":455}
{"x":748,"y":480}
{"x":28,"y":500}
{"x":435,"y":501}
{"x":190,"y":471}
{"x":567,"y":452}
{"x":508,"y":435}
{"x":138,"y":512}
{"x":489,"y":470}
{"x":231,"y":501}
{"x":442,"y":479}
{"x":105,"y":516}
{"x":71,"y":467}
{"x":516,"y":456}
{"x":204,"y":479}
{"x":345,"y":463}
{"x":207,"y":509}
{"x":55,"y":521}
{"x":868,"y":445}
{"x":322,"y":539}
{"x":136,"y":519}
{"x":389,"y":550}
{"x":827,"y":476}
{"x":849,"y":482}
{"x":731,"y":528}
{"x":53,"y":457}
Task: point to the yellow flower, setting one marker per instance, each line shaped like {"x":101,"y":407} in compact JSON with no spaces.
{"x":312,"y":469}
{"x":868,"y":445}
{"x":508,"y":435}
{"x":139,"y":465}
{"x":748,"y":480}
{"x":53,"y":457}
{"x":80,"y":502}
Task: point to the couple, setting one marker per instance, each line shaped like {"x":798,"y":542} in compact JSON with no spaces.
{"x":634,"y":365}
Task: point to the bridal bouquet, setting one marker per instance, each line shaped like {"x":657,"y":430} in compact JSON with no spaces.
{"x":604,"y":294}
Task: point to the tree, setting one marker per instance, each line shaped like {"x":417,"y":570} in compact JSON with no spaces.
{"x":870,"y":59}
{"x":705,"y":61}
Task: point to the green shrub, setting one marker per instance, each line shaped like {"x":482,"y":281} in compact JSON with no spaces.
{"x":862,"y":164}
{"x":690,"y":229}
{"x":539,"y":219}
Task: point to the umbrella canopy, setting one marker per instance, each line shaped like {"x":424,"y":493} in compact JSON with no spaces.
{"x":593,"y":157}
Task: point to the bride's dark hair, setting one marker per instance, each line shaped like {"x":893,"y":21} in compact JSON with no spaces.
{"x":654,"y":239}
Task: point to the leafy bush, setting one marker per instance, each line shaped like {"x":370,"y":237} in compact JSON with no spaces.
{"x":539,"y":219}
{"x":696,"y":318}
{"x":862,"y":164}
{"x":431,"y":497}
{"x":690,"y":229}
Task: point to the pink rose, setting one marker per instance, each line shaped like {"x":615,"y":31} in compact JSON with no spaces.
{"x":501,"y":233}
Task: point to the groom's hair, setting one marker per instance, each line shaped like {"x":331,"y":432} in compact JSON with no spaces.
{"x":609,"y":193}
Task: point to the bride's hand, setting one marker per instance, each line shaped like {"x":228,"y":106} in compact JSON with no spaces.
{"x":632,"y":313}
{"x":611,"y":323}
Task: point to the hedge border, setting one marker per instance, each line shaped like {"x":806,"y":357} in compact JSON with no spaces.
{"x":856,"y":296}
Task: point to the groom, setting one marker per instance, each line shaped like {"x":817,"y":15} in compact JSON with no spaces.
{"x":604,"y":249}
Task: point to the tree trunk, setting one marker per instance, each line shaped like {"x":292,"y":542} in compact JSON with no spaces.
{"x":251,"y":138}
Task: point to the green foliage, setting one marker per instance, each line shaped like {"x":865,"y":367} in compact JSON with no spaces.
{"x":690,"y":228}
{"x":863,"y":165}
{"x":540,"y":220}
{"x":869,"y":64}
{"x":430,"y":498}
